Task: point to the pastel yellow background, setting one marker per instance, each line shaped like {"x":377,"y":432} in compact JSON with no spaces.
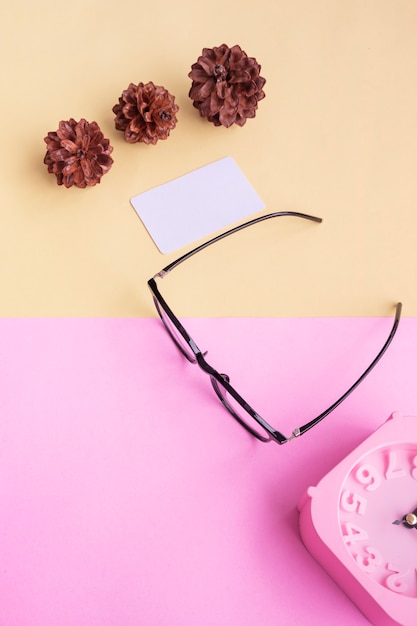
{"x":335,"y":137}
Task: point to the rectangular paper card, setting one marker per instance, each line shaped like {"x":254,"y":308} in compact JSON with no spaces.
{"x":197,"y":204}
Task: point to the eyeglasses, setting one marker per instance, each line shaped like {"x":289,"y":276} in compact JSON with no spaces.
{"x":227,"y":394}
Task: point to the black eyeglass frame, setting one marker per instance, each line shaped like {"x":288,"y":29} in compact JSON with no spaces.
{"x":219,"y":380}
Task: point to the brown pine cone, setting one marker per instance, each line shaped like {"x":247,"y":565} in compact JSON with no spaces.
{"x":226,"y":85}
{"x":77,"y":153}
{"x":145,"y":113}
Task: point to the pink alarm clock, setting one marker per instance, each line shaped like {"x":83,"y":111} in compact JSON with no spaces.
{"x":360,"y":523}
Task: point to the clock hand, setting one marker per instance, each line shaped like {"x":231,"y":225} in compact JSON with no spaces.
{"x":409,"y":520}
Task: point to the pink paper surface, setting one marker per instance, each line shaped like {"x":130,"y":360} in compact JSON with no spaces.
{"x":129,"y":497}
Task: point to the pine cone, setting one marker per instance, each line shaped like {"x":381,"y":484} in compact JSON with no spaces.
{"x":77,"y":153}
{"x":145,"y":113}
{"x":226,"y":85}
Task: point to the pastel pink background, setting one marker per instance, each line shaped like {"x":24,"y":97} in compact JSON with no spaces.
{"x":129,"y":497}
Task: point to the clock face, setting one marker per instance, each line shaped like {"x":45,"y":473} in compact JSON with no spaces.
{"x":378,"y":516}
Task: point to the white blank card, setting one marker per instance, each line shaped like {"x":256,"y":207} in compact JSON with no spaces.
{"x":196,"y":205}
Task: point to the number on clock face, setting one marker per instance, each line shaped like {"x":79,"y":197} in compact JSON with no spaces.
{"x":379,"y":489}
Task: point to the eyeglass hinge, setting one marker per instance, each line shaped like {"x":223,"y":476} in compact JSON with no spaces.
{"x":295,"y":433}
{"x":161,"y":274}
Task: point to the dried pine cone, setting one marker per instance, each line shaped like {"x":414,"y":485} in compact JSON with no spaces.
{"x":77,"y":153}
{"x":226,"y":85}
{"x":145,"y":113}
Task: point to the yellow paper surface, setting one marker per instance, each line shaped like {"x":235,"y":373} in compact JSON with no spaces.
{"x":335,"y":137}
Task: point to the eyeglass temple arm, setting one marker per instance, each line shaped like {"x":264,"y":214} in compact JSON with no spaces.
{"x":235,"y":229}
{"x":303,"y":429}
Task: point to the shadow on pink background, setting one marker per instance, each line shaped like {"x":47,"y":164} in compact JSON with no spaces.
{"x":129,"y":496}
